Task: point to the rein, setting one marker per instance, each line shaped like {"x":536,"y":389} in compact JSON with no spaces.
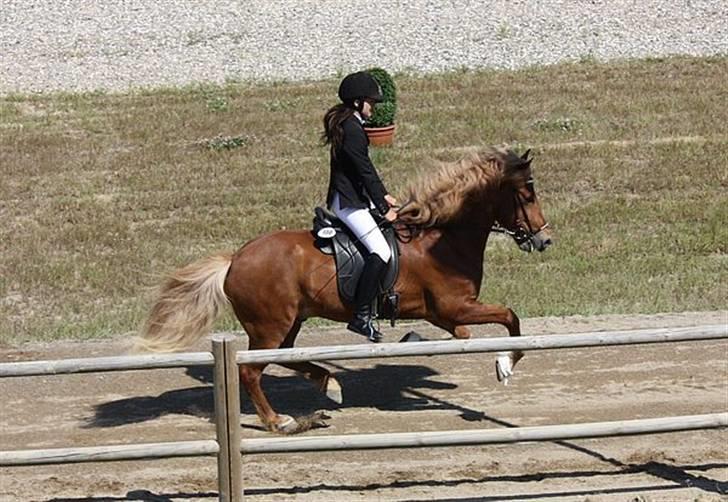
{"x":405,"y":232}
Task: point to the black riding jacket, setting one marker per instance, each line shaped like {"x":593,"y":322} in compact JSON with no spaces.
{"x":353,"y":175}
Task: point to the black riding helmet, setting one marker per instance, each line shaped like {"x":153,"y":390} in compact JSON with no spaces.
{"x":359,"y":85}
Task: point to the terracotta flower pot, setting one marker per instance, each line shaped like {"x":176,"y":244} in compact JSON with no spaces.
{"x":380,"y":136}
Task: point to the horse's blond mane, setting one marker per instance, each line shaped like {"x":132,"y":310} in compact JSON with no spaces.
{"x":438,"y":198}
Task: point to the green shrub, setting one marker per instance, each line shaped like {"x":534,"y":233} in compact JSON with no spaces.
{"x":385,"y":111}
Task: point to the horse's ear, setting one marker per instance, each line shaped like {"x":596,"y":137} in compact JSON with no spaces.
{"x":525,"y":160}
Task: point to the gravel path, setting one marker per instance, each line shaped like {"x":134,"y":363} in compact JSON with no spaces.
{"x":111,"y":45}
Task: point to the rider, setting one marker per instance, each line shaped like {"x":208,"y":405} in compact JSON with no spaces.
{"x":355,"y":187}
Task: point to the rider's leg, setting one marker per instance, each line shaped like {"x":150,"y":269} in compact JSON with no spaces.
{"x":366,"y":292}
{"x":363,"y":226}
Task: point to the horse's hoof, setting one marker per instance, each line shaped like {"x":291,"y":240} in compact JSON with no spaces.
{"x":286,"y":425}
{"x":503,"y":367}
{"x":333,"y":391}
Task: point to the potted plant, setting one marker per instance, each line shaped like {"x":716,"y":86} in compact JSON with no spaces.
{"x":380,"y":126}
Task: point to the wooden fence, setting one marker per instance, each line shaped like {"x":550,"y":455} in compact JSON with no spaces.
{"x":228,"y":446}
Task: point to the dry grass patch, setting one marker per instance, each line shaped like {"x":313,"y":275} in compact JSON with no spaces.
{"x":100,"y":193}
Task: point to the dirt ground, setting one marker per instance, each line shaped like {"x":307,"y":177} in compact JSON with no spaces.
{"x":392,"y":395}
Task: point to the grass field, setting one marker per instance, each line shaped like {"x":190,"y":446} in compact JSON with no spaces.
{"x":100,"y":193}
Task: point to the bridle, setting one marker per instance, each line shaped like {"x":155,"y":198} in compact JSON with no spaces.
{"x":523,"y":234}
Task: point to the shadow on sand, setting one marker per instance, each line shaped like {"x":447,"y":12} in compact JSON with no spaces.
{"x":386,"y":387}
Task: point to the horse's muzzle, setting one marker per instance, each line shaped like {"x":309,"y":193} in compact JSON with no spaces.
{"x":541,"y":240}
{"x":529,"y":242}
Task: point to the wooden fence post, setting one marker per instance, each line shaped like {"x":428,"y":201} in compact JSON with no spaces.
{"x":227,"y":419}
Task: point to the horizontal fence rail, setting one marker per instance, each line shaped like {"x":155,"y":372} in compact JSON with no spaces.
{"x":368,"y":441}
{"x":366,"y":351}
{"x":502,"y":344}
{"x":109,"y":453}
{"x":484,"y":436}
{"x":99,"y":364}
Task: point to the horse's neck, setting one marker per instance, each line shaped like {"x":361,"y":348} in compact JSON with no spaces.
{"x":459,"y":248}
{"x":470,"y":239}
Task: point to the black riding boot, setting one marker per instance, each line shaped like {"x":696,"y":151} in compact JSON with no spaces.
{"x":366,"y":291}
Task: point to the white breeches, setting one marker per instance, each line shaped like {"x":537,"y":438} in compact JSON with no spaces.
{"x":361,"y":223}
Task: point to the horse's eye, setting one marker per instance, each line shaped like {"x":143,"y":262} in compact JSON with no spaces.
{"x":528,"y":194}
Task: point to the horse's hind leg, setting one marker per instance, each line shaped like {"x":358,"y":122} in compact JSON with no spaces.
{"x":320,"y":377}
{"x":250,"y":376}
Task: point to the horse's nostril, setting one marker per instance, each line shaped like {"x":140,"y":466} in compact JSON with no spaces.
{"x":544,"y":244}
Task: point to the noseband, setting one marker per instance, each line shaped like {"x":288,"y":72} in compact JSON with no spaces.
{"x":524,"y":235}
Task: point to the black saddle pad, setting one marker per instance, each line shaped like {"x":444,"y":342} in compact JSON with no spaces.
{"x":349,"y":254}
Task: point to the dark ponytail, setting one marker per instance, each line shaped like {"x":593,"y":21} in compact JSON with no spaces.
{"x":333,"y":131}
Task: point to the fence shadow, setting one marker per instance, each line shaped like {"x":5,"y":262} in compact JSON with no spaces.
{"x":680,"y":479}
{"x":677,"y":475}
{"x":386,"y":387}
{"x":142,"y":496}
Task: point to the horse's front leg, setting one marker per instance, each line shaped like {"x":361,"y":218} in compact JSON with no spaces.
{"x":473,"y":312}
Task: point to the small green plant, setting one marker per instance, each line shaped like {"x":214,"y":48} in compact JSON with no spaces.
{"x":385,"y":111}
{"x":221,"y":142}
{"x":564,"y":124}
{"x":194,"y":37}
{"x":588,"y":58}
{"x":217,"y":104}
{"x":278,"y":105}
{"x":504,"y":31}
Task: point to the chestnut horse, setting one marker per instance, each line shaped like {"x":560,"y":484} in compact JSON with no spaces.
{"x":277,"y":281}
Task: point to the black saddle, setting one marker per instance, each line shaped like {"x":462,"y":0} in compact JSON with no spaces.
{"x":332,"y":237}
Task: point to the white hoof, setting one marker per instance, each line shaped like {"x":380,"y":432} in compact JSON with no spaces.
{"x":504,"y":367}
{"x":333,"y":391}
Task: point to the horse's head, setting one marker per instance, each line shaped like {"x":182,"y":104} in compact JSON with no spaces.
{"x":518,"y":212}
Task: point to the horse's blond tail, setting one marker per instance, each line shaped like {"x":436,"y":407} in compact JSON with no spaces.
{"x":186,"y":306}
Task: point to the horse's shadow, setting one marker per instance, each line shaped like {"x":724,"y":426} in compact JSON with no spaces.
{"x":386,"y":387}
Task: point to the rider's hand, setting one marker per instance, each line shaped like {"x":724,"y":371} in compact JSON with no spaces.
{"x":390,"y":200}
{"x":391,"y":215}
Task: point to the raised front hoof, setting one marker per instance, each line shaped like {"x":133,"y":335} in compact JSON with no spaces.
{"x":503,"y":367}
{"x":288,"y":425}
